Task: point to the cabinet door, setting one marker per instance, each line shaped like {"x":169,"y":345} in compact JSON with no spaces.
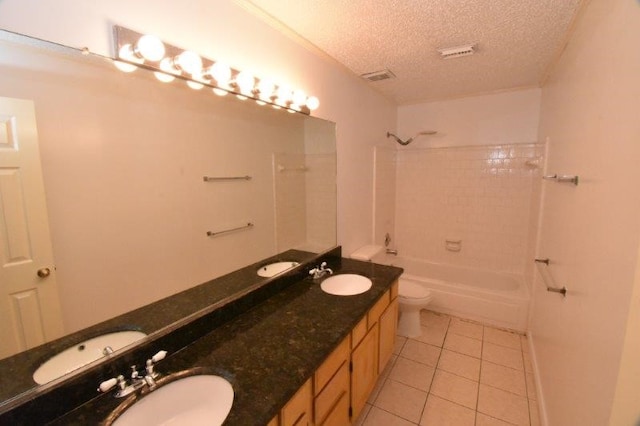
{"x":298,"y":409}
{"x":339,"y":416}
{"x":388,"y":324}
{"x":364,"y":360}
{"x":303,"y":420}
{"x":332,"y":398}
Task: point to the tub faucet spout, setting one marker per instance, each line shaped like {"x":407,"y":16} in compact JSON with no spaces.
{"x":391,"y":251}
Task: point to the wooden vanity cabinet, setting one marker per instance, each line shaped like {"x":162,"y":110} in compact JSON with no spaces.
{"x":331,"y":387}
{"x":340,"y":387}
{"x":298,"y":410}
{"x":370,"y":356}
{"x":388,"y":326}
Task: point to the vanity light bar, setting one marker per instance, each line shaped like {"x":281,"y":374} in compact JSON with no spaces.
{"x":135,"y":50}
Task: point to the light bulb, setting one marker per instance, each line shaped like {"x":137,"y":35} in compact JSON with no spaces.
{"x":127,"y":54}
{"x":284,"y":94}
{"x":221,"y":73}
{"x":265,"y":87}
{"x":200,"y":77}
{"x":220,"y":92}
{"x":189,"y":62}
{"x":313,"y":103}
{"x":124,"y":66}
{"x":299,"y":97}
{"x":165,"y":78}
{"x":166,"y":65}
{"x":194,"y":85}
{"x":245,"y":81}
{"x":150,"y":48}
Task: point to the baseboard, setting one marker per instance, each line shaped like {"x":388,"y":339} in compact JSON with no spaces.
{"x":542,"y":411}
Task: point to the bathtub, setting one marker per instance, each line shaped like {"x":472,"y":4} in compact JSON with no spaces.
{"x":493,"y":298}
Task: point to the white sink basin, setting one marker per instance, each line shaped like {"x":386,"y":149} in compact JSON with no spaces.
{"x":274,"y":269}
{"x":82,"y":354}
{"x":346,"y":284}
{"x":194,"y":400}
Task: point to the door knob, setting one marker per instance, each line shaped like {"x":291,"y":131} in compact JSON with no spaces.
{"x":44,"y":272}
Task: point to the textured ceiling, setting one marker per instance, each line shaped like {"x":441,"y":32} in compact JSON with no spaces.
{"x":516,"y":40}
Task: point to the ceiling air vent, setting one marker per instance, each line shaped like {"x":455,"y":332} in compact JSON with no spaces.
{"x":378,"y":75}
{"x":457,"y":52}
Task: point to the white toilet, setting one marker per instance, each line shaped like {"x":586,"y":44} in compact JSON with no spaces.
{"x":412,"y":297}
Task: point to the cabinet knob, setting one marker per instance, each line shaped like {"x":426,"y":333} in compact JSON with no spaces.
{"x":44,"y":272}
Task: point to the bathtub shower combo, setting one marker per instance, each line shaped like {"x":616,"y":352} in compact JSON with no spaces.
{"x":493,"y":298}
{"x":463,"y":220}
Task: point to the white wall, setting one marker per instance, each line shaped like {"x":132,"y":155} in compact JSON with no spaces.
{"x":501,"y":118}
{"x":220,"y":29}
{"x":590,"y":113}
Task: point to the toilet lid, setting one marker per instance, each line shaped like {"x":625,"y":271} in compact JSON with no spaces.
{"x":412,"y":290}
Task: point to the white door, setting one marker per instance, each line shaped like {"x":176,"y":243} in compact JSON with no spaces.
{"x":29,"y":303}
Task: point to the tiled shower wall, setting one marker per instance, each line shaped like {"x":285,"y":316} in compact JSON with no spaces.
{"x":479,"y":195}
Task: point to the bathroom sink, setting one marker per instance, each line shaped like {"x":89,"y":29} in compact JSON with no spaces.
{"x":274,"y":269}
{"x":346,"y":284}
{"x":194,"y":400}
{"x":84,"y":353}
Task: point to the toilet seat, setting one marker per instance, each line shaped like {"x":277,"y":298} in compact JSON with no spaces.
{"x":410,"y":290}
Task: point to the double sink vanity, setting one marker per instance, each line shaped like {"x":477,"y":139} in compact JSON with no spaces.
{"x":282,"y":352}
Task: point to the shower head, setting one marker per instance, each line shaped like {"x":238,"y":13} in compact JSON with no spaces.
{"x":408,"y":141}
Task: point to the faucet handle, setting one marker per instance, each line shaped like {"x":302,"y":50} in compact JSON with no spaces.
{"x":323,"y":265}
{"x":151,"y":361}
{"x":159,"y":356}
{"x":107,"y":385}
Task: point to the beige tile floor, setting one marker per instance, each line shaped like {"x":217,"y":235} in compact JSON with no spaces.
{"x":457,"y":373}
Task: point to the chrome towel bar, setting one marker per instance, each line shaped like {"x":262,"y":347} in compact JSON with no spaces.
{"x":546,"y":277}
{"x":213,"y":234}
{"x":220,"y":178}
{"x":562,"y":178}
{"x":282,"y":168}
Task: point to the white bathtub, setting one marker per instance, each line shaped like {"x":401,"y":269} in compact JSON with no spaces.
{"x":490,"y":297}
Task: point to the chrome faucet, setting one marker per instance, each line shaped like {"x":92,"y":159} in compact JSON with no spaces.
{"x":138,"y":380}
{"x":391,"y":251}
{"x":320,"y":271}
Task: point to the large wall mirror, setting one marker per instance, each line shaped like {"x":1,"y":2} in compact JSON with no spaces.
{"x":123,"y":159}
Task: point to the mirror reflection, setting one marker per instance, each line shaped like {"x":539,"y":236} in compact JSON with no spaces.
{"x":103,"y":193}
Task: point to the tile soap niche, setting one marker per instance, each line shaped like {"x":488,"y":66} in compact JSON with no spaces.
{"x":453,"y":244}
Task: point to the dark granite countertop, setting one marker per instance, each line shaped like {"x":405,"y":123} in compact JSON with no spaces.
{"x":269,"y":351}
{"x":148,"y":319}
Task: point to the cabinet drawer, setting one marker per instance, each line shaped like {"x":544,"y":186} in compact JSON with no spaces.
{"x":329,"y":398}
{"x":339,"y":416}
{"x":377,"y":310}
{"x":333,"y":362}
{"x":299,"y":405}
{"x":359,"y":331}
